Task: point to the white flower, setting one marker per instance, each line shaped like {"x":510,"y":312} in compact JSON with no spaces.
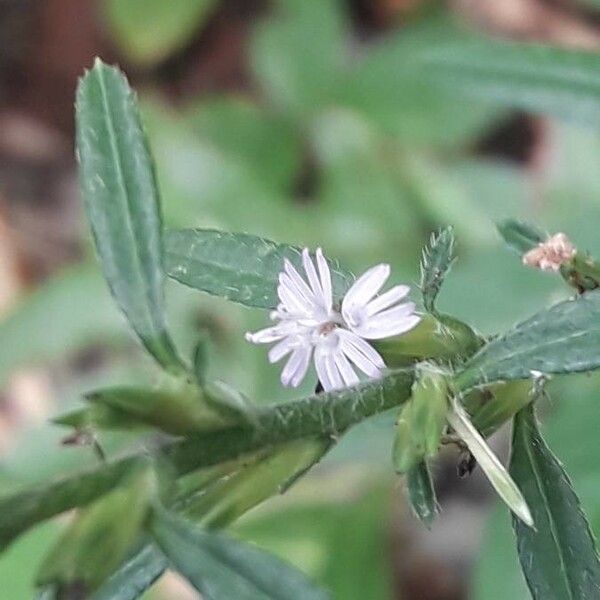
{"x":308,"y":321}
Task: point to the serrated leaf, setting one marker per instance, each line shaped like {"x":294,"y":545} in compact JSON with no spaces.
{"x":326,"y":414}
{"x":215,"y":504}
{"x":544,"y":79}
{"x":122,"y":204}
{"x":437,"y":259}
{"x":520,"y":236}
{"x":150,"y":30}
{"x":239,"y":267}
{"x":562,"y":339}
{"x":489,"y":463}
{"x":220,"y":567}
{"x":559,"y":558}
{"x":421,"y":493}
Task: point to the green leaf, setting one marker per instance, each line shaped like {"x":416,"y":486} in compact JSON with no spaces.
{"x":230,"y":497}
{"x":297,"y":76}
{"x":327,"y":414}
{"x":562,"y":339}
{"x":437,"y":259}
{"x":179,"y":413}
{"x":520,"y":236}
{"x":150,"y":30}
{"x":555,"y":81}
{"x":421,"y":493}
{"x":220,"y":567}
{"x":239,"y":267}
{"x":122,"y":204}
{"x":134,"y":576}
{"x":559,"y":558}
{"x":489,"y":463}
{"x":264,"y":143}
{"x":389,"y":87}
{"x":100,"y":536}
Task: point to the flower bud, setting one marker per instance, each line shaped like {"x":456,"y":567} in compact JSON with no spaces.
{"x":552,"y":254}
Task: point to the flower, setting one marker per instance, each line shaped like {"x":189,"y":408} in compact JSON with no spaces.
{"x":309,"y":325}
{"x":551,"y":254}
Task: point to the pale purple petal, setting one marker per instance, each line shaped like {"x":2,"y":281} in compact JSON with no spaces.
{"x":388,"y":323}
{"x":305,"y":354}
{"x":322,"y":372}
{"x":325,"y":277}
{"x":365,"y":287}
{"x":283,"y":348}
{"x":292,"y":303}
{"x":363,"y":355}
{"x":386,"y":300}
{"x":311,"y":273}
{"x":292,"y":366}
{"x":332,"y":371}
{"x":301,"y":285}
{"x":273,"y":334}
{"x":345,"y":368}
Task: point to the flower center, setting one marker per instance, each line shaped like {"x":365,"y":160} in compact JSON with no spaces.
{"x":326,"y":328}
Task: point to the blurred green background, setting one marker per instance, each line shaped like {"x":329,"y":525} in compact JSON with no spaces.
{"x":302,"y":121}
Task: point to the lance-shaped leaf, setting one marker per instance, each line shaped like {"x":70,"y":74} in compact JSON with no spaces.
{"x":239,"y":267}
{"x":321,"y":415}
{"x":437,"y":259}
{"x":558,"y":557}
{"x":555,"y":81}
{"x":100,"y":536}
{"x":421,"y":493}
{"x":134,"y":576}
{"x":562,"y":339}
{"x":489,"y":463}
{"x":215,"y":497}
{"x":521,"y":237}
{"x":220,"y":567}
{"x":122,"y":204}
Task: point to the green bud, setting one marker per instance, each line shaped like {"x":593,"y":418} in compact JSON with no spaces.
{"x":259,"y":477}
{"x":406,"y":451}
{"x":501,"y":402}
{"x":101,"y":535}
{"x":182,"y":412}
{"x":422,"y":419}
{"x":438,"y":337}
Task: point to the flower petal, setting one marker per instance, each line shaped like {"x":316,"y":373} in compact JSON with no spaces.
{"x":322,"y":371}
{"x":365,"y":287}
{"x":332,"y":371}
{"x":386,"y":300}
{"x":311,"y":273}
{"x":273,"y":334}
{"x":296,"y":366}
{"x":301,"y":285}
{"x":325,"y":276}
{"x":361,"y":353}
{"x":283,"y":348}
{"x":345,"y":368}
{"x":292,"y":303}
{"x":389,"y":323}
{"x":306,"y":352}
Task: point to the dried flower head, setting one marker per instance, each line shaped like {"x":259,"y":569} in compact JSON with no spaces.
{"x":551,"y":254}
